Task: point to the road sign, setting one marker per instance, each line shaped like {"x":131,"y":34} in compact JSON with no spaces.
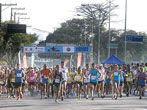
{"x":112,"y":45}
{"x":134,"y":38}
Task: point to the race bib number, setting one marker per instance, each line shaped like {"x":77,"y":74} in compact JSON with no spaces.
{"x":128,"y":79}
{"x":78,"y":77}
{"x":93,"y":77}
{"x":68,"y":78}
{"x":1,"y":82}
{"x":19,"y":75}
{"x":57,"y":80}
{"x":13,"y":80}
{"x":115,"y":73}
{"x":46,"y":76}
{"x":31,"y":78}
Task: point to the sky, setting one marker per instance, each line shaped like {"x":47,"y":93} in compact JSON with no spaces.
{"x":48,"y":14}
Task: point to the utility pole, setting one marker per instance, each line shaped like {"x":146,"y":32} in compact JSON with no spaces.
{"x":1,"y":14}
{"x":22,"y":18}
{"x":18,"y":14}
{"x":15,"y":9}
{"x":109,"y":31}
{"x":125,"y":31}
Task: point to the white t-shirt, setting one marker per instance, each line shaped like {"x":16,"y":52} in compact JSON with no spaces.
{"x":102,"y":72}
{"x":64,"y":73}
{"x":87,"y":80}
{"x":134,"y":73}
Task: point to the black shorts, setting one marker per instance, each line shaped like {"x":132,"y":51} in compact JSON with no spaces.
{"x":9,"y":85}
{"x":31,"y":83}
{"x":80,"y":83}
{"x":142,"y":86}
{"x":17,"y":84}
{"x":93,"y":83}
{"x":121,"y":83}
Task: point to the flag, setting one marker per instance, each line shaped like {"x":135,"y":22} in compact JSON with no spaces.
{"x":25,"y":62}
{"x":79,"y":59}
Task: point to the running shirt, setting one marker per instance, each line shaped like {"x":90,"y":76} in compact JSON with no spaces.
{"x":18,"y":76}
{"x":87,"y":73}
{"x":141,"y":79}
{"x":57,"y":78}
{"x":32,"y":77}
{"x":108,"y":79}
{"x":122,"y":76}
{"x":102,"y":72}
{"x":93,"y":76}
{"x":129,"y":77}
{"x":64,"y":73}
{"x":145,"y":69}
{"x":1,"y":79}
{"x":134,"y":74}
{"x":116,"y":75}
{"x":69,"y":78}
{"x":78,"y":77}
{"x":46,"y":73}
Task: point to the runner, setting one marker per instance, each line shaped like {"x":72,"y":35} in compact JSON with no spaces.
{"x":18,"y":81}
{"x":32,"y":81}
{"x":45,"y":74}
{"x":121,"y":81}
{"x":101,"y":70}
{"x":57,"y":82}
{"x":128,"y":82}
{"x":94,"y":75}
{"x":108,"y":81}
{"x":116,"y":80}
{"x":69,"y":82}
{"x":78,"y":82}
{"x":2,"y":81}
{"x":64,"y":72}
{"x":86,"y":79}
{"x":141,"y":81}
{"x":74,"y":72}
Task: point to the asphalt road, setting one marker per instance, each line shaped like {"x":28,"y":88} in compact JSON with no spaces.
{"x":35,"y":103}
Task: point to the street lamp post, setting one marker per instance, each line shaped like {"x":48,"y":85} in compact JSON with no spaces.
{"x":109,"y":30}
{"x":125,"y":31}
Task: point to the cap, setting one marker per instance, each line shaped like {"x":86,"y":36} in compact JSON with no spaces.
{"x":101,"y":64}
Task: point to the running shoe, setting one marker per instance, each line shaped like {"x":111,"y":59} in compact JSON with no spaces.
{"x":18,"y":98}
{"x":21,"y":95}
{"x":62,"y":98}
{"x":86,"y":96}
{"x":92,"y":98}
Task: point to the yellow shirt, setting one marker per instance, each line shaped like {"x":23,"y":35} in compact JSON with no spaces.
{"x":69,"y":78}
{"x":78,"y":77}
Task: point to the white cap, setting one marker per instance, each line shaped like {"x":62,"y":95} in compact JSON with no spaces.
{"x":101,"y":64}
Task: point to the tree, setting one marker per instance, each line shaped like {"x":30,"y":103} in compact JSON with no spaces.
{"x":10,"y":44}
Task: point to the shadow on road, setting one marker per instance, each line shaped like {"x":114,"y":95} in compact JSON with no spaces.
{"x":9,"y":106}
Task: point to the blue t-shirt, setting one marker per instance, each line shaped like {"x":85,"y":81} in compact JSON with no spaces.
{"x":122,"y":77}
{"x":116,"y":75}
{"x":18,"y":75}
{"x":142,"y":80}
{"x":93,"y":76}
{"x":107,"y":81}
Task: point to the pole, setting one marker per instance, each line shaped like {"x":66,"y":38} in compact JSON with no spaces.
{"x":11,"y":14}
{"x":14,"y":16}
{"x":125,"y":31}
{"x":99,"y":40}
{"x":109,"y":31}
{"x":116,"y":52}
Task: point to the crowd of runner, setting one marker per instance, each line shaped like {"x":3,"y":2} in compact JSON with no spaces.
{"x":60,"y":82}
